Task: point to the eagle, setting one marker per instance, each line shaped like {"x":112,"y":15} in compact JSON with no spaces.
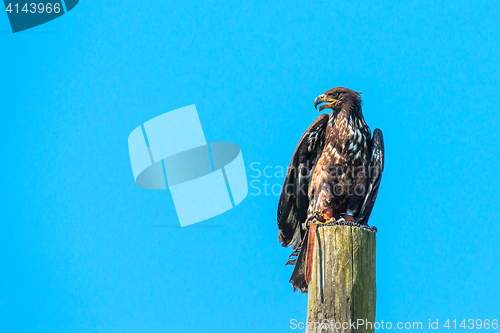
{"x":334,"y":177}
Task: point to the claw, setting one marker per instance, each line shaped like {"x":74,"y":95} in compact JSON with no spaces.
{"x":319,"y":217}
{"x":316,"y":217}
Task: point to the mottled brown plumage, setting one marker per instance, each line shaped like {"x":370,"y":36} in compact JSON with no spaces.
{"x":334,"y":174}
{"x":339,"y":178}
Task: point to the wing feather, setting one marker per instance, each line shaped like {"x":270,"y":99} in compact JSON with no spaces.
{"x":375,"y":174}
{"x":294,"y":201}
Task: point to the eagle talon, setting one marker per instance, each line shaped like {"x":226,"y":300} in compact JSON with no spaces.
{"x":314,"y":218}
{"x":306,"y":225}
{"x":319,"y":218}
{"x":323,"y":222}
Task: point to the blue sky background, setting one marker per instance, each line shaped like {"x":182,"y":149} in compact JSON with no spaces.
{"x":86,"y":250}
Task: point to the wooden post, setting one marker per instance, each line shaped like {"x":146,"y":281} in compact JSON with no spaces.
{"x":342,"y":289}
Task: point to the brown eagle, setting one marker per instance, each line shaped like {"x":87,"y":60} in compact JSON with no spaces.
{"x":334,"y":177}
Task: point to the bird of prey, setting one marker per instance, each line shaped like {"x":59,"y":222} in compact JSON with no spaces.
{"x":334,"y":177}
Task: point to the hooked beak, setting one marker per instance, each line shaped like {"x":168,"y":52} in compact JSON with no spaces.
{"x":318,"y":101}
{"x":321,"y":99}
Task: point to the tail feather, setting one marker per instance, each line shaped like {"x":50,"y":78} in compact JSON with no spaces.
{"x":292,"y":258}
{"x":298,"y":278}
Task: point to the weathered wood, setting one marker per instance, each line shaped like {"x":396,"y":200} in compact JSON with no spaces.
{"x":342,"y":290}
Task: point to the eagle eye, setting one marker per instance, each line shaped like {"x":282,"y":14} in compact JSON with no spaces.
{"x":335,"y":94}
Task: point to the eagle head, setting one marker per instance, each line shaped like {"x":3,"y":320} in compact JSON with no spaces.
{"x":335,"y":98}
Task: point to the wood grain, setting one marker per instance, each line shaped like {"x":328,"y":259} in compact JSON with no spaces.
{"x":343,"y":285}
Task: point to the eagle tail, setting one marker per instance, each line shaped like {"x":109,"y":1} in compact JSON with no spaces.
{"x":292,"y":258}
{"x":298,"y":279}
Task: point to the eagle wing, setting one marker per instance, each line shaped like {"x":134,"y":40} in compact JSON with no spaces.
{"x":375,"y":174}
{"x":294,"y":201}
